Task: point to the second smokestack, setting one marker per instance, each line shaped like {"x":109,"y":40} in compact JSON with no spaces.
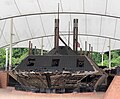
{"x":75,"y":34}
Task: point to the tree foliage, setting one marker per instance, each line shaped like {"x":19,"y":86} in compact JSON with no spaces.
{"x":115,"y":58}
{"x":2,"y":57}
{"x":18,"y":54}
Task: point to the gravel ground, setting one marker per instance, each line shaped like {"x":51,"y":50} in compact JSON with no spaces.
{"x":10,"y":93}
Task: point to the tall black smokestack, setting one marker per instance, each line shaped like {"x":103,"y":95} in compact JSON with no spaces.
{"x":56,"y":39}
{"x":75,"y":34}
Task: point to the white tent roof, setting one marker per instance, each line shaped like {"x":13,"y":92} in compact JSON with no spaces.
{"x":98,"y":21}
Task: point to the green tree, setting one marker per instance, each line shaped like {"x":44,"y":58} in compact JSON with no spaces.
{"x":96,"y":57}
{"x":2,"y":57}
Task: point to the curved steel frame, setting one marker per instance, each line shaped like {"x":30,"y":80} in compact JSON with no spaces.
{"x":50,"y":13}
{"x":61,"y":35}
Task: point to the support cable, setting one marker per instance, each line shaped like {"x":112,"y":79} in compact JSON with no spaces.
{"x":29,"y":27}
{"x":2,"y":32}
{"x":5,"y":39}
{"x":43,"y":24}
{"x":61,"y":5}
{"x":16,"y":31}
{"x":62,"y":11}
{"x":106,"y":7}
{"x":26,"y":21}
{"x":59,"y":18}
{"x":25,"y":18}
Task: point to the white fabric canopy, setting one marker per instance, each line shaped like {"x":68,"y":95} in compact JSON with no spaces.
{"x":99,"y":21}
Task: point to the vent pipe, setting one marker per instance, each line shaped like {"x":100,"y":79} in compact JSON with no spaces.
{"x":85,"y":47}
{"x":89,"y":53}
{"x":29,"y":47}
{"x":31,"y":50}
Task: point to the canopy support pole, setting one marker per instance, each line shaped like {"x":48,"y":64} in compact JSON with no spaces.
{"x":102,"y":57}
{"x":69,"y":35}
{"x":6,"y":62}
{"x":109,"y":53}
{"x":91,"y":52}
{"x":11,"y":36}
